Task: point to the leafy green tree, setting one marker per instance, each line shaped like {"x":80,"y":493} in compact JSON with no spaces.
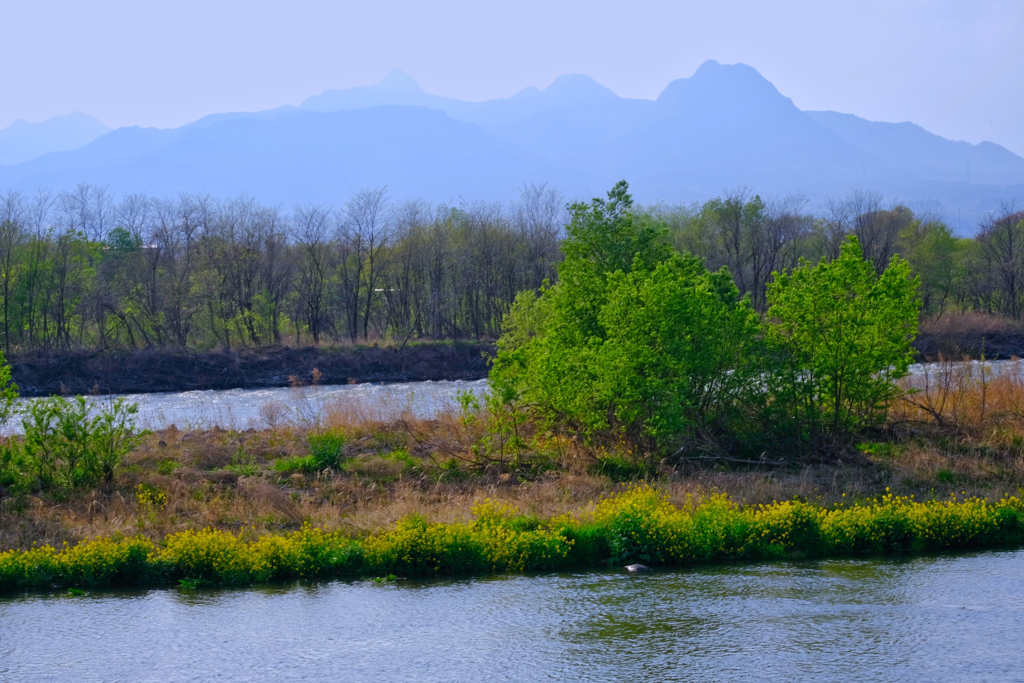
{"x":683,"y":356}
{"x":633,"y":341}
{"x":931,"y":250}
{"x":556,"y":334}
{"x":8,"y":391}
{"x":845,"y":334}
{"x":10,"y":460}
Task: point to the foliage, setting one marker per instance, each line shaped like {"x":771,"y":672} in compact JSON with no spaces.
{"x":195,"y":272}
{"x":327,"y":449}
{"x":68,"y":443}
{"x":306,"y":464}
{"x":682,"y":355}
{"x":633,"y":340}
{"x":845,"y":335}
{"x":8,"y":392}
{"x":640,"y":524}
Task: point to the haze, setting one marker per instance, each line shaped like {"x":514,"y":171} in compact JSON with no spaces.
{"x":951,"y":67}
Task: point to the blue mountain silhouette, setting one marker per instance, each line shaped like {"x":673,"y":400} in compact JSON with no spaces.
{"x":722,"y":127}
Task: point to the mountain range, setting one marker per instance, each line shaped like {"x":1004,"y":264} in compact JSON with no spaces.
{"x":24,"y":140}
{"x":723,"y":127}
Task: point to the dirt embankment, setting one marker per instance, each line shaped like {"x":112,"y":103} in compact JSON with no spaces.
{"x":953,"y":344}
{"x":153,"y":370}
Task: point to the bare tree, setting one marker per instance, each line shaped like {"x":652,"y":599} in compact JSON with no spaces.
{"x":364,"y":231}
{"x":310,"y":230}
{"x":1002,"y":242}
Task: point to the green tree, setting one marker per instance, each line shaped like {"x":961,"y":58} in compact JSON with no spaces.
{"x":682,"y":358}
{"x":10,"y":461}
{"x":845,"y":334}
{"x":931,"y":250}
{"x":556,"y":334}
{"x":634,"y":341}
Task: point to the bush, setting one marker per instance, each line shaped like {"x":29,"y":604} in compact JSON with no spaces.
{"x":682,"y":357}
{"x":326,"y":449}
{"x":65,"y":445}
{"x":644,"y":348}
{"x":634,"y":341}
{"x":845,"y":335}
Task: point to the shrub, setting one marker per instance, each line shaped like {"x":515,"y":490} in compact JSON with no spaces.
{"x":633,"y":341}
{"x":845,"y":334}
{"x":66,"y":445}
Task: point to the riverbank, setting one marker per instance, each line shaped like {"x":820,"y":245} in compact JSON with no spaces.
{"x":165,"y":370}
{"x":357,"y":469}
{"x":162,"y":370}
{"x":640,"y":525}
{"x":354,"y":475}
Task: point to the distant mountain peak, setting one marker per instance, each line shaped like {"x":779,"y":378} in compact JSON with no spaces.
{"x":726,"y":83}
{"x":399,"y":81}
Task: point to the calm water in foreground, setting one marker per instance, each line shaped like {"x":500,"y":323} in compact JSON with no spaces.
{"x":950,"y":618}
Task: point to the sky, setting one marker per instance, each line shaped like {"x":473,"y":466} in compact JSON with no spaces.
{"x":955,"y":67}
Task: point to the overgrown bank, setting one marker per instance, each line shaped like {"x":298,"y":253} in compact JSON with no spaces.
{"x":640,"y":525}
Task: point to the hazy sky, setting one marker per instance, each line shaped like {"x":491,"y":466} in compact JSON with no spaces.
{"x":955,"y":67}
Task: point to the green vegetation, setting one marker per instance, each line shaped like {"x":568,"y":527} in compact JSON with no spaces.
{"x":641,"y":344}
{"x":326,"y":452}
{"x":85,"y":273}
{"x":640,"y":525}
{"x":845,"y":335}
{"x":67,"y":443}
{"x":641,"y":362}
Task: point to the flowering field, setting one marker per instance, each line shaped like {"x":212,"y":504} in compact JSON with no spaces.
{"x":639,"y":525}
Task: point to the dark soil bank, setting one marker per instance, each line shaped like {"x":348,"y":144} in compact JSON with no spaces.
{"x":994,"y":345}
{"x":167,"y":370}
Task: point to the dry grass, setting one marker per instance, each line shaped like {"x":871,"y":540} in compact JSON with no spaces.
{"x":963,"y":419}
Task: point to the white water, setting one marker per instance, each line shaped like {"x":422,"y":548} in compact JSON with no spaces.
{"x":260,"y":408}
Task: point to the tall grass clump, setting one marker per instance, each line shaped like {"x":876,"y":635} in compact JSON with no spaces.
{"x":639,"y":525}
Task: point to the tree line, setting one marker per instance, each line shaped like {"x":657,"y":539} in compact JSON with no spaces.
{"x":78,"y":270}
{"x":84,"y":269}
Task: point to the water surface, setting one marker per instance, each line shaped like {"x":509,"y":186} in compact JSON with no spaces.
{"x":949,"y":618}
{"x":260,"y":408}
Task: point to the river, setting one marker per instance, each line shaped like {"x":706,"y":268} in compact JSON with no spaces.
{"x":944,"y":618}
{"x":260,"y":408}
